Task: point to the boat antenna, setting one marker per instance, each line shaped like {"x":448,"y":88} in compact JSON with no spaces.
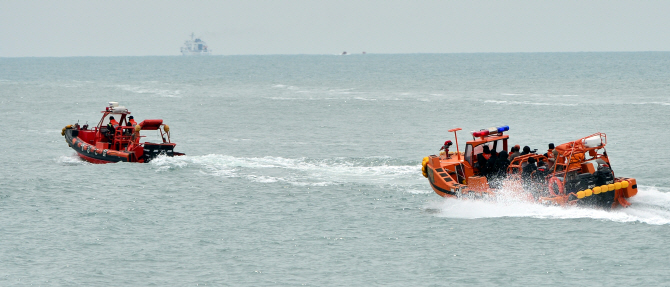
{"x":458,"y":152}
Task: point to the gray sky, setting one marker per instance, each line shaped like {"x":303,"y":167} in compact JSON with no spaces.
{"x":45,"y":28}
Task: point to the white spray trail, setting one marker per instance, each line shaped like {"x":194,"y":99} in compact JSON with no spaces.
{"x":649,"y":206}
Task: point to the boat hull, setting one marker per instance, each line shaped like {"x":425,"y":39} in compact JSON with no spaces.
{"x":443,"y":181}
{"x":93,"y":154}
{"x":195,"y":53}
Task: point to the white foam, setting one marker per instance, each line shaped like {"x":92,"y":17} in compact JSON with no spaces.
{"x":146,"y":90}
{"x":649,"y":103}
{"x":527,"y":103}
{"x":299,"y":171}
{"x":363,"y":99}
{"x":649,"y":206}
{"x":419,"y":191}
{"x":73,"y":159}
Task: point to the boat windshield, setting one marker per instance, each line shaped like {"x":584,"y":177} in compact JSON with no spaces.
{"x":496,"y":146}
{"x":117,"y":117}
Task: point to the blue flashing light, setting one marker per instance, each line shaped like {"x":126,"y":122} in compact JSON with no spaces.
{"x":503,"y":129}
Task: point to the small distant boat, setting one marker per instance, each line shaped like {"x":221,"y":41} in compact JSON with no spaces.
{"x":195,"y":47}
{"x":111,"y":141}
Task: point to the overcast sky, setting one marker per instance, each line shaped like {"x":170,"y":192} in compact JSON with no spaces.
{"x":136,"y":28}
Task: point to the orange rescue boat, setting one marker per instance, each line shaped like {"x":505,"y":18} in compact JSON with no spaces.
{"x":577,"y":173}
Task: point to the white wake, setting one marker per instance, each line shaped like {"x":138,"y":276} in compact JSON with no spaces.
{"x":650,"y":206}
{"x":302,"y":171}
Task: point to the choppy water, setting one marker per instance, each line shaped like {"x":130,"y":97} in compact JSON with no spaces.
{"x":305,"y":170}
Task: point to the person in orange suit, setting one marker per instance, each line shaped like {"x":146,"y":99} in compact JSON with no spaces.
{"x":113,"y":122}
{"x":132,"y":121}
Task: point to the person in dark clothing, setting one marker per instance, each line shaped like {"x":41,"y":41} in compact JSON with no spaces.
{"x":541,"y":173}
{"x":499,"y":170}
{"x":526,"y":150}
{"x":492,"y":175}
{"x":527,"y":172}
{"x":501,"y":165}
{"x":492,"y":160}
{"x":111,"y":127}
{"x":482,"y":160}
{"x":445,"y":148}
{"x":529,"y":168}
{"x":490,"y":166}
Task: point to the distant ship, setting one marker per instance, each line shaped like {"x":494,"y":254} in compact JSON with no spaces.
{"x":195,"y":47}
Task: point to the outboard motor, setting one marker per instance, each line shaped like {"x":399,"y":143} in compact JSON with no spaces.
{"x":585,"y":181}
{"x":604,"y":175}
{"x":152,"y":150}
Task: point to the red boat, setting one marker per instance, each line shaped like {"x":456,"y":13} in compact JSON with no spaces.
{"x":118,"y":140}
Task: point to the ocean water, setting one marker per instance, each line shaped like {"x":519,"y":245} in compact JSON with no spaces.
{"x":305,"y":170}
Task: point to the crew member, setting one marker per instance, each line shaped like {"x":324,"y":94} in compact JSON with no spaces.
{"x":113,"y":122}
{"x":490,"y":166}
{"x":527,"y":172}
{"x":576,"y":160}
{"x":550,"y":151}
{"x":132,"y":121}
{"x":445,"y":148}
{"x":111,"y":127}
{"x":550,"y":163}
{"x":514,"y":152}
{"x":529,"y":168}
{"x":540,"y":176}
{"x":501,"y":165}
{"x":491,"y":174}
{"x":482,"y":160}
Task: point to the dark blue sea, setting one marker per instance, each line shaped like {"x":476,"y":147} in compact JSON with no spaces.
{"x":305,"y":170}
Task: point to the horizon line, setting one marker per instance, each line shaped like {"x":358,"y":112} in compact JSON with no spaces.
{"x":329,"y":54}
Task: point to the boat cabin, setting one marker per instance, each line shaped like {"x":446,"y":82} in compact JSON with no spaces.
{"x":492,"y":137}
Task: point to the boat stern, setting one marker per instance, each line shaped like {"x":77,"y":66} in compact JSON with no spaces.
{"x":153,"y":150}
